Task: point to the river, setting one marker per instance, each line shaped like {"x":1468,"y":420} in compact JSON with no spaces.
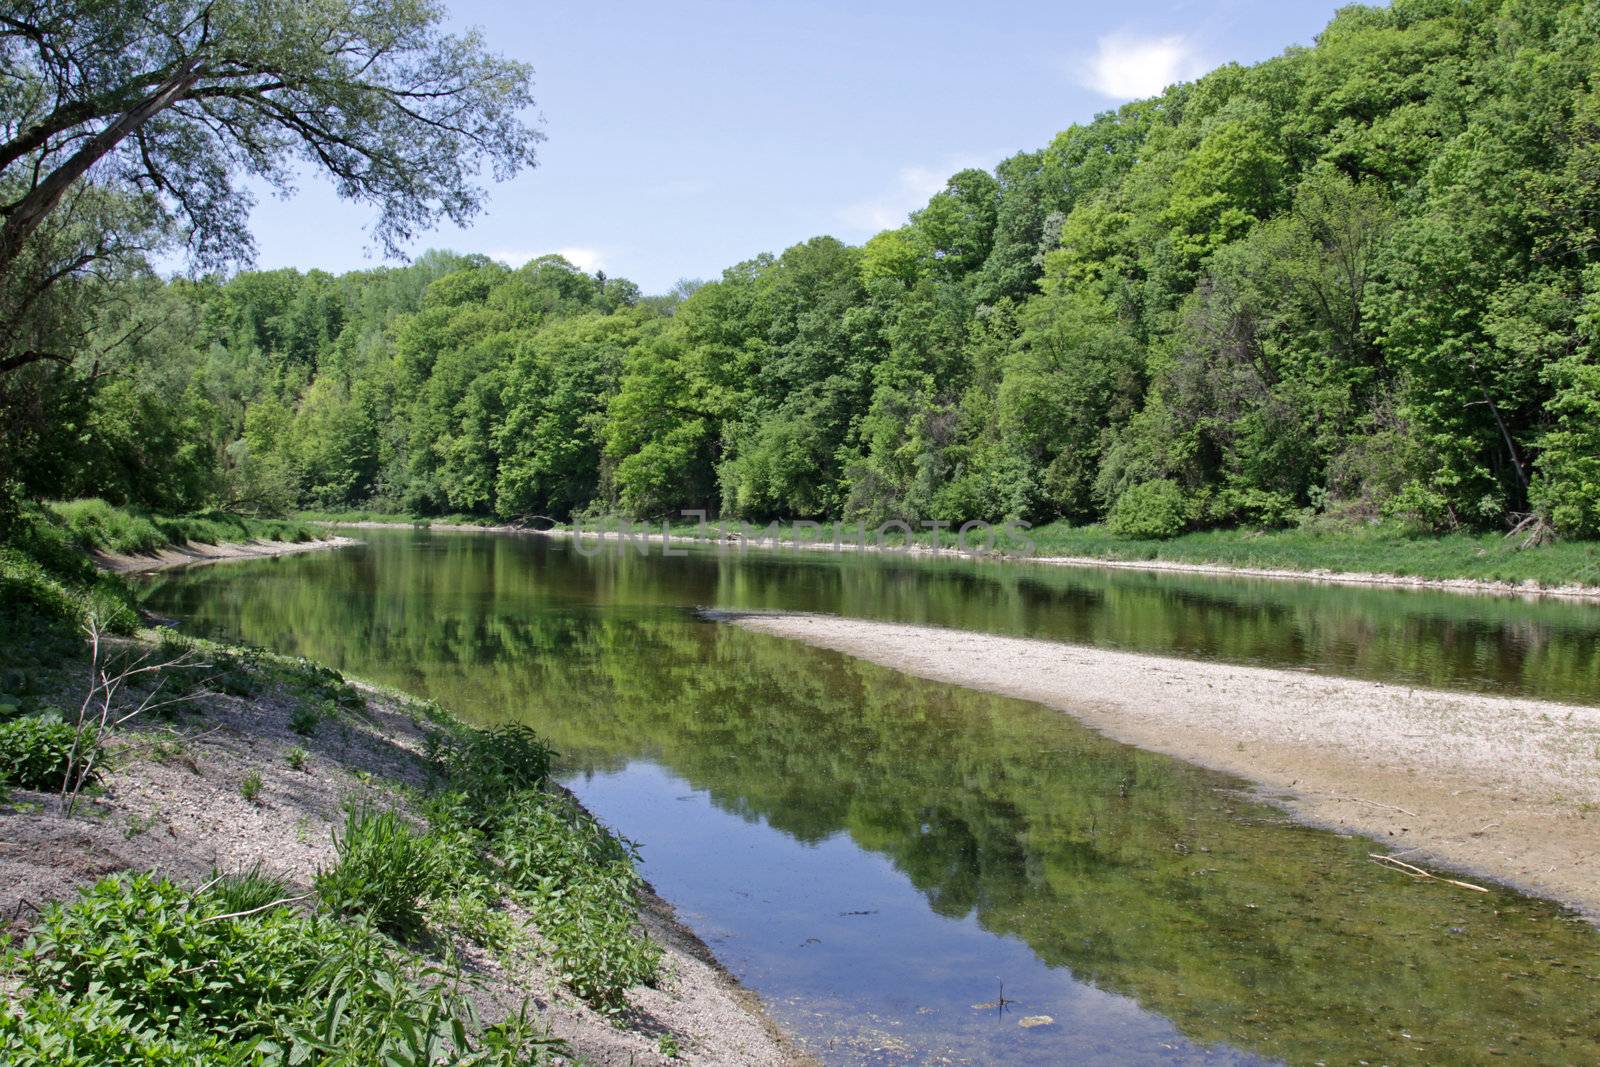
{"x":908,"y":872}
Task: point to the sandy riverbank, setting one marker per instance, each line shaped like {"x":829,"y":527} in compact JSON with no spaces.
{"x":195,"y":552}
{"x":172,"y":803}
{"x":1506,"y":788}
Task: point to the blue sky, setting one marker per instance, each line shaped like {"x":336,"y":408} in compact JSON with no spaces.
{"x":684,"y":137}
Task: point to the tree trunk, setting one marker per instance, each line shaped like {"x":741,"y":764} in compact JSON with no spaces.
{"x":25,"y":216}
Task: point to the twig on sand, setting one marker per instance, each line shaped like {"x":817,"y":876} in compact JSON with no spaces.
{"x":1375,"y":804}
{"x":1418,"y":872}
{"x":251,"y":911}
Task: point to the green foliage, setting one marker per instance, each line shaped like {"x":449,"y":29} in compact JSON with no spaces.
{"x":304,"y":718}
{"x":140,"y":971}
{"x":1569,"y":458}
{"x":1355,"y":280}
{"x":492,"y":768}
{"x":34,"y":751}
{"x":1152,"y":510}
{"x":38,"y":605}
{"x":250,"y":786}
{"x":386,"y":871}
{"x":584,"y":889}
{"x":98,"y":526}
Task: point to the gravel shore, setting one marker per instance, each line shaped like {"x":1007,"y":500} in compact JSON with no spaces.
{"x":1504,"y":788}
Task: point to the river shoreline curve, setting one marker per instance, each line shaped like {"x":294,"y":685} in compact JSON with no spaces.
{"x":1496,"y":787}
{"x":173,"y":805}
{"x":194,"y":553}
{"x":1475,"y":586}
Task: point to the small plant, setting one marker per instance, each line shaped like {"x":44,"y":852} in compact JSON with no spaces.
{"x":250,"y":788}
{"x":297,"y":758}
{"x":237,"y":673}
{"x":303,"y":719}
{"x":140,"y":824}
{"x":247,"y":890}
{"x":36,"y":751}
{"x":668,"y":1046}
{"x":386,"y":870}
{"x":584,"y":889}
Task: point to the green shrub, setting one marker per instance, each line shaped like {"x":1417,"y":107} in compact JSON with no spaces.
{"x":98,"y":526}
{"x":386,"y":871}
{"x":547,"y":839}
{"x":297,"y":758}
{"x":237,"y":673}
{"x":33,"y":601}
{"x":94,"y":1029}
{"x":37,"y":535}
{"x":34,"y":751}
{"x":584,"y":889}
{"x":595,"y":946}
{"x":139,"y":971}
{"x":324,"y":684}
{"x":1153,"y":510}
{"x":492,"y":767}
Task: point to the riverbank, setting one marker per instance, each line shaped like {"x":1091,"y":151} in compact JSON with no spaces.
{"x":306,"y":841}
{"x":1509,"y":789}
{"x":1384,"y":557}
{"x":736,"y":539}
{"x":254,"y":774}
{"x":190,"y":554}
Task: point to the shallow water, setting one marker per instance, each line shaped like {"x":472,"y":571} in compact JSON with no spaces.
{"x":906,"y":871}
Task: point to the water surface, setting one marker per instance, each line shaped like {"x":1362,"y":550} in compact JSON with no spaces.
{"x":905,"y":871}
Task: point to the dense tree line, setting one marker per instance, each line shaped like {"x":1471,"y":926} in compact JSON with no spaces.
{"x":1361,"y":279}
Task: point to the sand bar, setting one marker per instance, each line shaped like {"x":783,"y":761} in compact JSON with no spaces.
{"x":1505,"y":788}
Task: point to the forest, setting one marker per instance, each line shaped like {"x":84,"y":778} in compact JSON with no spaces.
{"x":1357,"y":282}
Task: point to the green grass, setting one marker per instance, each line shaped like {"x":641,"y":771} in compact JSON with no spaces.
{"x":1389,"y":548}
{"x":392,"y":518}
{"x":98,"y":526}
{"x":1385,"y":549}
{"x":387,"y":870}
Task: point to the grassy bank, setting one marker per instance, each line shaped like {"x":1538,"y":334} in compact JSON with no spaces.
{"x":97,"y":526}
{"x":390,"y":518}
{"x":1388,"y":549}
{"x":304,"y":870}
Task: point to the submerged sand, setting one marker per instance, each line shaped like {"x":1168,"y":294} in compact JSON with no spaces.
{"x":1502,"y":787}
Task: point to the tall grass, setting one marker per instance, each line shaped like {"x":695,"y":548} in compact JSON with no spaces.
{"x":395,"y":518}
{"x":98,"y":526}
{"x":1387,"y":548}
{"x":1383,"y":549}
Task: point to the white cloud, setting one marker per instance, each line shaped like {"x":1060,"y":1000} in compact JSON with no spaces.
{"x":1127,"y":68}
{"x":913,"y":186}
{"x":585,"y":259}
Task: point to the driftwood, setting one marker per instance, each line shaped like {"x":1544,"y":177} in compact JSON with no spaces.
{"x":1419,"y":873}
{"x":1534,"y":529}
